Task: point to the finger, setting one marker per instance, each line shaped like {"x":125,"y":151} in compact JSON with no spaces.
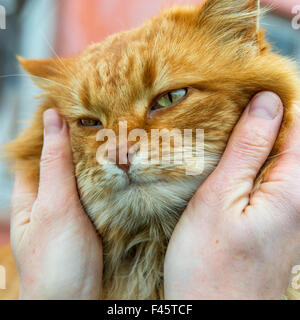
{"x":22,"y":199}
{"x":283,"y":179}
{"x":57,"y":179}
{"x":250,"y":144}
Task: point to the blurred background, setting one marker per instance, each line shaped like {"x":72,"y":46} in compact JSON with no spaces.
{"x":46,"y":28}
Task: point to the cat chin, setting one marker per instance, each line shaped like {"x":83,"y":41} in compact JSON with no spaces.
{"x":145,"y":196}
{"x":140,"y":203}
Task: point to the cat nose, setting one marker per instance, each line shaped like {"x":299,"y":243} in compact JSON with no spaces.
{"x":124,"y":156}
{"x":124,"y":167}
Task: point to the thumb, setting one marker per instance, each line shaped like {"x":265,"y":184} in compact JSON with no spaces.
{"x":249,"y":146}
{"x":56,"y":168}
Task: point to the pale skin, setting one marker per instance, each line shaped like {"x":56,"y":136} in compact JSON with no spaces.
{"x":228,"y":244}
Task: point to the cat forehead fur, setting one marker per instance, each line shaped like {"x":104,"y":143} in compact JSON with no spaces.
{"x":169,"y":51}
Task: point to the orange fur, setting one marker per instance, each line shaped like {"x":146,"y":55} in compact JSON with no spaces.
{"x":217,"y":52}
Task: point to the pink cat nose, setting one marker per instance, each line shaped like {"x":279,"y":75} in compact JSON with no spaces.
{"x":124,"y":155}
{"x":124,"y":167}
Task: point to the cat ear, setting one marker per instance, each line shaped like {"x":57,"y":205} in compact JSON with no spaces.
{"x":45,"y":72}
{"x":231,"y":20}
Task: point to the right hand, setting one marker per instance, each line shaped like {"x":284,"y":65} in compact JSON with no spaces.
{"x":230,"y":243}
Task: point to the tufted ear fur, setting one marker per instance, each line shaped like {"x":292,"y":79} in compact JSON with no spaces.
{"x":231,"y":21}
{"x":47,"y":72}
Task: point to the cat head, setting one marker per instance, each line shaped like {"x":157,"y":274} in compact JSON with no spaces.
{"x":187,"y":68}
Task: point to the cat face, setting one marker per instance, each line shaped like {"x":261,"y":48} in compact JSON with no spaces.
{"x":128,"y":74}
{"x":212,"y":57}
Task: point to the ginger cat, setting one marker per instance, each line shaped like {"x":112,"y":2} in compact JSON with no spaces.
{"x":189,"y":67}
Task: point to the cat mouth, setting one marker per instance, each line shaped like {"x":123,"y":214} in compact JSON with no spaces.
{"x":132,"y":182}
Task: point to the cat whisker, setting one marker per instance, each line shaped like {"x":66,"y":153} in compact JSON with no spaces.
{"x":55,"y":83}
{"x":38,"y":77}
{"x":281,"y":153}
{"x":55,"y":54}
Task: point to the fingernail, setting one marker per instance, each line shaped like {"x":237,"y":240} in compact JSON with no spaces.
{"x":265,"y":105}
{"x":53,"y":122}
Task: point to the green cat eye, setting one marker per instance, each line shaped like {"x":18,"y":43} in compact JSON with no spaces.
{"x":90,"y":123}
{"x":170,"y":98}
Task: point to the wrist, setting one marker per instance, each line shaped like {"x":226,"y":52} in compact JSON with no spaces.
{"x":227,"y":277}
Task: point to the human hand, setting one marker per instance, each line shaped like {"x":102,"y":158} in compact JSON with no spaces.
{"x":230,"y":244}
{"x":57,"y":250}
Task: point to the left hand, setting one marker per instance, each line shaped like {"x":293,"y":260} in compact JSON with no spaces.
{"x":56,"y":247}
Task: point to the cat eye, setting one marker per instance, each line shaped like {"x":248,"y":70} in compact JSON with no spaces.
{"x":90,"y":123}
{"x":169,"y":99}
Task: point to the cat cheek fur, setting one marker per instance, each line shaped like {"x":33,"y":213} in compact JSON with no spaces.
{"x":215,"y":49}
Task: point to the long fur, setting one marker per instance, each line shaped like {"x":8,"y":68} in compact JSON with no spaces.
{"x":216,"y":50}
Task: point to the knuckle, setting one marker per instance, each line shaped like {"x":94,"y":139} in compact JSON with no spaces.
{"x":42,"y":213}
{"x":211,"y":194}
{"x":49,"y":207}
{"x":250,"y":143}
{"x":284,"y":199}
{"x":52,"y":155}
